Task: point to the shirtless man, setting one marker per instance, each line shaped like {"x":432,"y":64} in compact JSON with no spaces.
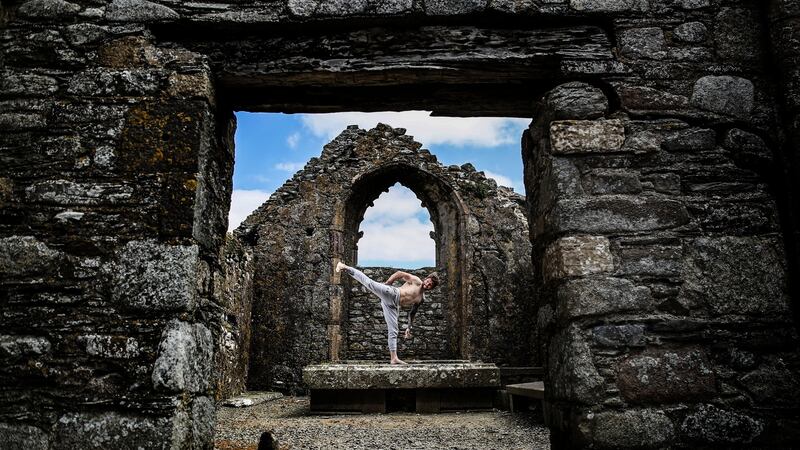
{"x":412,"y":294}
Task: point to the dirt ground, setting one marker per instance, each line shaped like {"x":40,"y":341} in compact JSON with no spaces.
{"x":292,"y":427}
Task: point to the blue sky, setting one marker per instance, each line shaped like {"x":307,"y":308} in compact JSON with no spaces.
{"x":271,"y":147}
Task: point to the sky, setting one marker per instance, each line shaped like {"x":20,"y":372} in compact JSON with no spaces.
{"x":271,"y":147}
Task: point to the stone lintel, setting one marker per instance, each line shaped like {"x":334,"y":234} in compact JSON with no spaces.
{"x":412,"y":376}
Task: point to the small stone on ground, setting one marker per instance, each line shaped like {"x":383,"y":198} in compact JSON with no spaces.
{"x":292,"y":426}
{"x":251,"y":399}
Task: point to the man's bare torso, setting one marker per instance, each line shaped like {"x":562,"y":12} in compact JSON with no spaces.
{"x":411,"y":292}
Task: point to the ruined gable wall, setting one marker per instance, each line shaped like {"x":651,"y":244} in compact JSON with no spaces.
{"x":293,"y":312}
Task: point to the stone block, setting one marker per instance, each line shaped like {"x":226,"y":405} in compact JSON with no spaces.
{"x":586,"y":136}
{"x":566,"y":178}
{"x":574,"y":376}
{"x":619,"y":336}
{"x":341,"y":7}
{"x":727,"y":95}
{"x":139,"y":11}
{"x":576,"y":101}
{"x":48,"y":9}
{"x":577,"y":256}
{"x":151,"y":276}
{"x":600,"y":296}
{"x":85,"y":33}
{"x":25,"y":256}
{"x":67,"y":192}
{"x":118,"y":83}
{"x":107,"y":346}
{"x":644,"y":99}
{"x":642,"y":42}
{"x":693,"y":4}
{"x":712,"y":425}
{"x":740,"y":141}
{"x":691,"y":140}
{"x":612,"y":181}
{"x":749,"y":151}
{"x":450,"y":7}
{"x":737,"y":34}
{"x":666,"y":183}
{"x":610,"y":5}
{"x":26,"y":84}
{"x":645,"y":428}
{"x":666,"y":376}
{"x":203,"y":421}
{"x":164,"y":137}
{"x":643,"y":142}
{"x":102,"y":431}
{"x":722,"y":274}
{"x":617,"y":214}
{"x":357,"y":375}
{"x":185,"y":358}
{"x":651,"y":260}
{"x":773,"y":384}
{"x":690,"y":33}
{"x":17,"y":346}
{"x":23,"y":437}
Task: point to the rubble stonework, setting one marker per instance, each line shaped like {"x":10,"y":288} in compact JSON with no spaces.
{"x":116,"y":156}
{"x":304,"y":314}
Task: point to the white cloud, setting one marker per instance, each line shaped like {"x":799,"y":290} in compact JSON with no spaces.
{"x":293,"y":139}
{"x":502,"y":180}
{"x":459,"y":131}
{"x":402,"y":241}
{"x":291,"y":167}
{"x":243,"y":203}
{"x":399,"y":203}
{"x":397,"y":229}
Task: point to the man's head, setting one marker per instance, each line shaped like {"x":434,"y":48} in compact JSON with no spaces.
{"x":431,"y":281}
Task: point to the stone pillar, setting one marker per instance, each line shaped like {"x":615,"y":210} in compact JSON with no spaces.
{"x":663,"y":278}
{"x":114,"y":195}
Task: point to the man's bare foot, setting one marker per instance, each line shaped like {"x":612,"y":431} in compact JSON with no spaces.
{"x":340,"y":266}
{"x":397,"y":361}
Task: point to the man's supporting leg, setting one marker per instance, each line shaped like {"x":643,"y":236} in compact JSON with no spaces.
{"x":390,"y":315}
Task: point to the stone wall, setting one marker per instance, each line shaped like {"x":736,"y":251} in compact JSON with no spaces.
{"x":303,"y":313}
{"x":366,"y":327}
{"x":663,"y":275}
{"x":232,"y":333}
{"x":115,"y":168}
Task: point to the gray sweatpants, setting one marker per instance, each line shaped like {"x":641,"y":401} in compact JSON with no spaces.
{"x":390,"y":302}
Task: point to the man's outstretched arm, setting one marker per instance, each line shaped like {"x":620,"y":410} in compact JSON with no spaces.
{"x":397,"y":276}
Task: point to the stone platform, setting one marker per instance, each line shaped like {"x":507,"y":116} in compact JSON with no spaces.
{"x":421,"y":386}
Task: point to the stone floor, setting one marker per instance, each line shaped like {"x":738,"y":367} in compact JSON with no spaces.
{"x":292,"y":426}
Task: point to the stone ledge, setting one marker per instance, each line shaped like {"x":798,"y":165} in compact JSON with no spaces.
{"x":365,"y":375}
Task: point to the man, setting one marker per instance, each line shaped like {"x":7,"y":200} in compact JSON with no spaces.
{"x":412,"y":293}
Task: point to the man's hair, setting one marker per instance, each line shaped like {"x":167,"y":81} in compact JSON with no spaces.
{"x":434,"y":277}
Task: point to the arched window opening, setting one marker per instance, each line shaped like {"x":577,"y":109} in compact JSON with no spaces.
{"x":397,"y":232}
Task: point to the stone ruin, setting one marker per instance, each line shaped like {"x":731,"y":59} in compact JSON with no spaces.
{"x":662,"y":194}
{"x":303,"y":313}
